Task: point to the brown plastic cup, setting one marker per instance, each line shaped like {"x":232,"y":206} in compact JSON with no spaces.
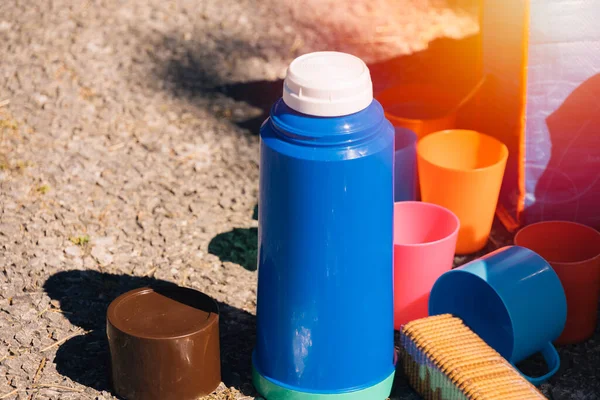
{"x":573,"y":250}
{"x":164,"y":344}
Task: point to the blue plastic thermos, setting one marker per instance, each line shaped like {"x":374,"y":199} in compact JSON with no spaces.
{"x":325,"y":277}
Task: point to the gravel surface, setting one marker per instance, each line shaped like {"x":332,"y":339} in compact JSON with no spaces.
{"x":128,"y":155}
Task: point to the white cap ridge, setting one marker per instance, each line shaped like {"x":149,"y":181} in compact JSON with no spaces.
{"x":328,"y":84}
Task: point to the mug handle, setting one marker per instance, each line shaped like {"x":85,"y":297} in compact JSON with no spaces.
{"x":552,"y":361}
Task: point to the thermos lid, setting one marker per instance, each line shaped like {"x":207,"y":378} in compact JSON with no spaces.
{"x":164,"y":344}
{"x":328,"y":84}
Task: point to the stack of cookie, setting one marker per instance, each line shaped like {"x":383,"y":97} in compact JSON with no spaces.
{"x":444,"y":360}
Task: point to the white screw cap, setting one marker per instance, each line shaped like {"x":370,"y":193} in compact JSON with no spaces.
{"x":328,"y":84}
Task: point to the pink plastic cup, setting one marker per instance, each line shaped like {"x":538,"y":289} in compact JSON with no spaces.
{"x":425,"y":237}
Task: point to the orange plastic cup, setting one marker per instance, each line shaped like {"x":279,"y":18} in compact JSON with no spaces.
{"x":462,"y":170}
{"x":421,"y":108}
{"x":573,"y":250}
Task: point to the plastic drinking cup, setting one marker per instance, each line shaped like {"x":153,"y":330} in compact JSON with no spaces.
{"x":462,"y":170}
{"x":512,"y":299}
{"x":573,"y":250}
{"x":421,"y":108}
{"x":405,"y":165}
{"x":424,"y":241}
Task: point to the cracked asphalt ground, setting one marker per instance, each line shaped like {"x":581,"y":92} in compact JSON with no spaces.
{"x":129,"y":155}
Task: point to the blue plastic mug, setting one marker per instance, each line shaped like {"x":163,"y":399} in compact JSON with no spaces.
{"x":405,"y":165}
{"x":512,"y":299}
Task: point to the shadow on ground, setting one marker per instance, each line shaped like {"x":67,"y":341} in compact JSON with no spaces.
{"x":198,"y":74}
{"x":84,"y":298}
{"x":256,"y":98}
{"x":239,"y":246}
{"x":258,"y":94}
